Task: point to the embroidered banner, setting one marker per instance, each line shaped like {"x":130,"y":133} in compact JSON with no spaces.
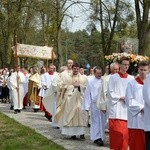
{"x":39,"y":52}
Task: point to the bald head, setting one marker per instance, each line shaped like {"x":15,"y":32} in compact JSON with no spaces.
{"x":69,"y":64}
{"x":114,"y":68}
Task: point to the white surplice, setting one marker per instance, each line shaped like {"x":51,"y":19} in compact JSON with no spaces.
{"x":50,"y":99}
{"x":26,"y":83}
{"x":48,"y":79}
{"x":10,"y":91}
{"x":146,"y":96}
{"x":42,"y":91}
{"x":102,"y":100}
{"x":116,"y":89}
{"x":102,"y":96}
{"x":135,"y":102}
{"x":17,"y":97}
{"x":90,"y":77}
{"x":89,"y":103}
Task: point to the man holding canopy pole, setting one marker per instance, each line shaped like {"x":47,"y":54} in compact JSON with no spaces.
{"x":17,"y":80}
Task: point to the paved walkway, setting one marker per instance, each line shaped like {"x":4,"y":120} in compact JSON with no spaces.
{"x":41,"y":125}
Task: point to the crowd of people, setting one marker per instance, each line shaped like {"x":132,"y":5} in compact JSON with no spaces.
{"x":71,"y":100}
{"x":4,"y":91}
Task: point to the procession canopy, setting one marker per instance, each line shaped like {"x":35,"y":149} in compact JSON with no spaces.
{"x":32,"y":51}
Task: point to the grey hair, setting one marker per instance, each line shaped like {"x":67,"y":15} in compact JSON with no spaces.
{"x":112,"y":65}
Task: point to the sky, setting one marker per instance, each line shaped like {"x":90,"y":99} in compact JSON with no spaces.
{"x":80,"y":14}
{"x":80,"y":17}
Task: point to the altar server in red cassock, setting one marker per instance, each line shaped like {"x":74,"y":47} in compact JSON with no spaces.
{"x":117,"y":109}
{"x":46,"y":82}
{"x":135,"y":106}
{"x":146,"y":96}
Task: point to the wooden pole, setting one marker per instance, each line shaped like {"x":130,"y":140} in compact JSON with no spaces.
{"x":46,"y":64}
{"x":53,"y":56}
{"x":18,"y":92}
{"x":15,"y":56}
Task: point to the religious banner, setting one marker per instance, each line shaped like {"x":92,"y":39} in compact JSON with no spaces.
{"x":38,"y":52}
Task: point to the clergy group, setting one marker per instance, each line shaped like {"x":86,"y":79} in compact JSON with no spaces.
{"x":113,"y":101}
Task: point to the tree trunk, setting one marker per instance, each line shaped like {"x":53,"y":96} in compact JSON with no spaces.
{"x":59,"y":49}
{"x":113,"y":28}
{"x":144,"y":42}
{"x":143,"y":25}
{"x":102,"y":29}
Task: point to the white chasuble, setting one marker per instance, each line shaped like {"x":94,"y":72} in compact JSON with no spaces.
{"x":69,"y":114}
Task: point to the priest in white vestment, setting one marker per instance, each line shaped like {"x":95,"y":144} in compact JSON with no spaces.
{"x":89,"y":77}
{"x":17,"y":80}
{"x":67,"y":71}
{"x":118,"y":131}
{"x":69,"y":115}
{"x":97,"y":117}
{"x":135,"y":105}
{"x":64,"y":73}
{"x":146,"y":96}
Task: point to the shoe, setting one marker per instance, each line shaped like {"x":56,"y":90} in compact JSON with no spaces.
{"x":35,"y":110}
{"x":18,"y":110}
{"x":11,"y":107}
{"x":82,"y":137}
{"x":99,"y":142}
{"x":73,"y":137}
{"x":49,"y":118}
{"x":89,"y":125}
{"x":15,"y":111}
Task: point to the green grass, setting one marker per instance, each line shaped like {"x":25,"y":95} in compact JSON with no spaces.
{"x":14,"y":136}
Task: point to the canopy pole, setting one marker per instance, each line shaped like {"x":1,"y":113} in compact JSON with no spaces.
{"x":47,"y":64}
{"x":15,"y":55}
{"x":17,"y":78}
{"x":53,"y":56}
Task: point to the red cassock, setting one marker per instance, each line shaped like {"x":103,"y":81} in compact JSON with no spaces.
{"x":42,"y":108}
{"x":118,"y":134}
{"x":25,"y":100}
{"x":136,"y":139}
